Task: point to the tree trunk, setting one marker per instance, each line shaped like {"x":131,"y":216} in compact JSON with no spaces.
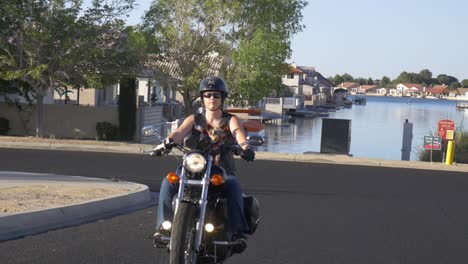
{"x":187,"y":104}
{"x":39,"y":115}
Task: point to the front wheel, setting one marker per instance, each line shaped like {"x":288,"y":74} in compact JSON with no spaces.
{"x":183,"y":235}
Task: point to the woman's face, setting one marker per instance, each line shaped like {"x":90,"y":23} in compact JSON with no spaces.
{"x":212,"y":100}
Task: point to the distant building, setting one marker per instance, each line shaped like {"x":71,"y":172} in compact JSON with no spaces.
{"x":350,"y":87}
{"x":309,"y":84}
{"x":382,"y":91}
{"x":437,"y":90}
{"x":368,"y":89}
{"x":409,"y":89}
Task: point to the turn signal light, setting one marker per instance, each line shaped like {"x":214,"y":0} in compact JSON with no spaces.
{"x":172,"y":177}
{"x":216,"y":179}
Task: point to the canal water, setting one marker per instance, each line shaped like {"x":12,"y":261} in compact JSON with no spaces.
{"x":376,"y":127}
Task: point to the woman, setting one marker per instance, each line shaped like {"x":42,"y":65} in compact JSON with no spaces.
{"x":221,"y":127}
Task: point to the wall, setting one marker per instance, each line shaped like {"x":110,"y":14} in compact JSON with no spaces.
{"x":291,"y":81}
{"x":149,"y":115}
{"x":87,"y":97}
{"x":274,"y":105}
{"x":61,"y":121}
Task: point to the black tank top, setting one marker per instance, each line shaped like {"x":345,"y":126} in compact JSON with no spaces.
{"x":221,"y":134}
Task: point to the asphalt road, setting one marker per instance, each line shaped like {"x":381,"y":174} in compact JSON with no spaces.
{"x":311,"y":213}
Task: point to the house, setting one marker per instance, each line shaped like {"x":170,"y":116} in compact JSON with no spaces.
{"x":350,"y":87}
{"x":409,"y":89}
{"x":459,"y":93}
{"x":437,"y":91}
{"x":393,"y":92}
{"x":462,"y":91}
{"x":367,"y":89}
{"x":382,"y":91}
{"x":308,"y":84}
{"x":293,"y":80}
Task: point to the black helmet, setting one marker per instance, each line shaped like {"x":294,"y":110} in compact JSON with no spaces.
{"x":213,"y":84}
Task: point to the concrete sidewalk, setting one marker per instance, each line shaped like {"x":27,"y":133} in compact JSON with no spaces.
{"x":134,"y":148}
{"x":31,"y":203}
{"x":103,"y":198}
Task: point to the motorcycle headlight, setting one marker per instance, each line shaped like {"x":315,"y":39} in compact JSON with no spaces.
{"x":195,"y":162}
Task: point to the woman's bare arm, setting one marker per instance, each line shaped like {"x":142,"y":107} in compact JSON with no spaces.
{"x":238,"y":132}
{"x":183,"y":130}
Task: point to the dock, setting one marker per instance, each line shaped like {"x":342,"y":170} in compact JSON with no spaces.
{"x":255,"y":114}
{"x":462,"y":105}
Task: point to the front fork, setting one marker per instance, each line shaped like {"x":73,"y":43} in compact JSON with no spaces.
{"x":205,"y":183}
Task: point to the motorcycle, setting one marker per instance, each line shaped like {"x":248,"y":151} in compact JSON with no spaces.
{"x":198,"y":232}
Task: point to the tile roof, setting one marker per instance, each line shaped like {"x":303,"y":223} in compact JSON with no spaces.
{"x":437,"y":89}
{"x":296,"y":70}
{"x":462,"y":91}
{"x":172,"y":68}
{"x":306,"y":68}
{"x":411,"y":85}
{"x":368,"y":87}
{"x":348,"y":85}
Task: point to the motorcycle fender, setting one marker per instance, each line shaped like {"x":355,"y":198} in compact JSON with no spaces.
{"x":251,"y":212}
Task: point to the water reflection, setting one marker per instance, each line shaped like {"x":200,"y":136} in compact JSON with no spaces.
{"x":376,"y":128}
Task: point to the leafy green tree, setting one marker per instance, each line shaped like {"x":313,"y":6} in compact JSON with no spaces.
{"x":264,"y":29}
{"x":446,"y":79}
{"x":47,"y":43}
{"x":426,"y":74}
{"x":191,"y":35}
{"x":425,"y":77}
{"x":347,"y":78}
{"x":370,"y":81}
{"x":195,"y":35}
{"x":410,"y":77}
{"x":361,"y":81}
{"x":385,"y":81}
{"x":454,"y":85}
{"x":465,"y":83}
{"x":337,"y":79}
{"x":253,"y":67}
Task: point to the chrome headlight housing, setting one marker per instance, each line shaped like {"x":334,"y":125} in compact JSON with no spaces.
{"x":195,"y":162}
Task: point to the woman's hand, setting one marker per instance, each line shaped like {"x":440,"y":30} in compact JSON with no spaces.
{"x":248,"y":155}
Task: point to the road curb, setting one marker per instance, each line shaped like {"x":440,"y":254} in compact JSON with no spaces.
{"x":135,"y":148}
{"x":34,"y":222}
{"x":75,"y":145}
{"x":355,"y":161}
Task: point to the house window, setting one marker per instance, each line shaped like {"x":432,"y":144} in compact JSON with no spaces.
{"x":291,"y":76}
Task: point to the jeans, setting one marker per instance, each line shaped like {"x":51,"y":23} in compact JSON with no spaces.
{"x":235,"y":203}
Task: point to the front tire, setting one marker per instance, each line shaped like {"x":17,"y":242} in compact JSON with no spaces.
{"x":183,"y":235}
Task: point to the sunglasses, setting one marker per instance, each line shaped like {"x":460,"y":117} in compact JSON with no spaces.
{"x":215,"y":95}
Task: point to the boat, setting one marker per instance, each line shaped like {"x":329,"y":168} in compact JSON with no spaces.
{"x":253,"y":126}
{"x":302,"y":113}
{"x":347,"y":103}
{"x":308,"y":112}
{"x":360,"y":99}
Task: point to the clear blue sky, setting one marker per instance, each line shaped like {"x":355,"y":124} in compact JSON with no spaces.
{"x":372,"y":38}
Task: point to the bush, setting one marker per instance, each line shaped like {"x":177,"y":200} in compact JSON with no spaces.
{"x":461,"y":148}
{"x":4,"y":126}
{"x":106,"y":131}
{"x":425,"y":155}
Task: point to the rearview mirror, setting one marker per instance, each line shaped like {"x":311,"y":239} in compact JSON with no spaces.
{"x":255,"y":140}
{"x":150,"y":131}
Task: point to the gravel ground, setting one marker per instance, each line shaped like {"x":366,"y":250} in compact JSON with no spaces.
{"x":38,"y":197}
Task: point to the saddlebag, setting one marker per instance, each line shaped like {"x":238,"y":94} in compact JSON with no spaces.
{"x":251,"y":213}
